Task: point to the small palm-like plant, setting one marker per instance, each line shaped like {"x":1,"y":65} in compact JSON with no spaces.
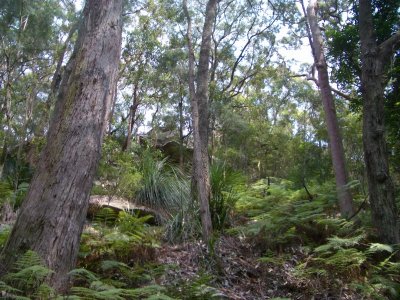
{"x":225,"y":183}
{"x":164,"y":187}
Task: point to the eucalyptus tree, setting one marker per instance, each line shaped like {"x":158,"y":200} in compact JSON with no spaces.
{"x":52,"y":216}
{"x":376,"y":59}
{"x":335,"y":139}
{"x":368,"y":70}
{"x":199,"y":98}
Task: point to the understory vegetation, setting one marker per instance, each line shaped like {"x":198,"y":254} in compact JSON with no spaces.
{"x":262,"y":226}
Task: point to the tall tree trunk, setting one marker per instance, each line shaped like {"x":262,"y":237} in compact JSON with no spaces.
{"x":7,"y":113}
{"x":199,"y":103}
{"x":52,"y":216}
{"x":375,"y":61}
{"x":335,"y":139}
{"x":181,"y":126}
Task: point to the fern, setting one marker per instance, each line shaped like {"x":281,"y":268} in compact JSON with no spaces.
{"x":337,"y":243}
{"x":84,"y":275}
{"x":29,"y":275}
{"x":44,"y":291}
{"x":106,"y":216}
{"x":8,"y":289}
{"x":107,"y":265}
{"x":4,"y":233}
{"x":159,"y":297}
{"x":376,"y":247}
{"x":30,"y":258}
{"x":99,"y":290}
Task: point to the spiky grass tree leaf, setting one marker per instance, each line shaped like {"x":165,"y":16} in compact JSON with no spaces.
{"x":164,"y":187}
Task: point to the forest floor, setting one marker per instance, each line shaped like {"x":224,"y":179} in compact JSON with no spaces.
{"x":237,"y":272}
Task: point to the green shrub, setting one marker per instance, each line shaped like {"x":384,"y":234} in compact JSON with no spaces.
{"x":117,"y":172}
{"x":282,"y":216}
{"x":163,"y":187}
{"x":125,"y":237}
{"x":225,"y":184}
{"x":28,"y":278}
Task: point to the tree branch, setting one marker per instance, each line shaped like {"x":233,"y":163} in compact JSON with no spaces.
{"x":388,"y":47}
{"x":315,"y":80}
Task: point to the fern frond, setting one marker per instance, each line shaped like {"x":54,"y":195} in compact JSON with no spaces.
{"x":7,"y":288}
{"x":112,"y":264}
{"x":159,"y":297}
{"x":376,"y":247}
{"x":336,"y":243}
{"x":44,"y":291}
{"x":28,"y":259}
{"x":83,"y":274}
{"x":83,"y":293}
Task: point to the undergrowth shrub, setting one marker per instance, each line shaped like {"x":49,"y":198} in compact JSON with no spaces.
{"x":335,"y":252}
{"x":282,"y":216}
{"x":128,"y":239}
{"x":11,"y":195}
{"x":163,"y":187}
{"x":89,"y":285}
{"x":198,"y":288}
{"x":117,"y":173}
{"x":225,"y":185}
{"x":369,"y":268}
{"x":185,"y":223}
{"x":27,"y":278}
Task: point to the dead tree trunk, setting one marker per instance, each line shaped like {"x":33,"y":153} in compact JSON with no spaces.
{"x":335,"y":139}
{"x":375,"y":62}
{"x":52,"y":216}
